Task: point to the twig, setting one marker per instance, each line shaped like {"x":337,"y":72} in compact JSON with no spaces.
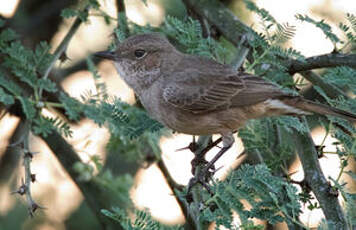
{"x":329,"y":89}
{"x":241,"y":53}
{"x":29,"y":177}
{"x":206,"y":28}
{"x":171,"y":182}
{"x":322,"y":61}
{"x":122,"y":18}
{"x":176,"y":188}
{"x":219,"y":16}
{"x":62,"y":47}
{"x":25,"y":188}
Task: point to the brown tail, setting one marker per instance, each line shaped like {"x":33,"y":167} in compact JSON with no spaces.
{"x":314,"y":107}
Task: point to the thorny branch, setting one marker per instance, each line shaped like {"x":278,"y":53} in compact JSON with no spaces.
{"x":25,"y":188}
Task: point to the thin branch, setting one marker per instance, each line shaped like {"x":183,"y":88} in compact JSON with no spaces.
{"x":62,"y":47}
{"x":330,"y":90}
{"x":25,"y":188}
{"x":176,"y":188}
{"x":315,"y":178}
{"x":171,"y":182}
{"x":122,"y":18}
{"x":220,"y":17}
{"x":29,"y":177}
{"x":241,"y":53}
{"x":322,"y":61}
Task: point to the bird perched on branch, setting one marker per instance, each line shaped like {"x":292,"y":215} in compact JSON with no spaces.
{"x":194,"y":95}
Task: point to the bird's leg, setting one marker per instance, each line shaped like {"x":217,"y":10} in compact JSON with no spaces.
{"x":211,"y":163}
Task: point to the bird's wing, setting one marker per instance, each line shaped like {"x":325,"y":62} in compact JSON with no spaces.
{"x":256,"y":90}
{"x":207,"y":92}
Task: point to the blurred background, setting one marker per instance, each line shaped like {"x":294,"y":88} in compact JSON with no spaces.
{"x":37,"y":20}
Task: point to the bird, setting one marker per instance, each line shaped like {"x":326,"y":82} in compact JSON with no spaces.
{"x":195,"y":95}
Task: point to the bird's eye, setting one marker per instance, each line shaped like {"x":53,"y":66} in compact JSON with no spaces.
{"x":140,"y":53}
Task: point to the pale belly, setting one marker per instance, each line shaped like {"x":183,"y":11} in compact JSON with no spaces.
{"x":211,"y":123}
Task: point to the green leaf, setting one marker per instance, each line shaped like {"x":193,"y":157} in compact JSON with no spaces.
{"x":264,"y":14}
{"x":94,"y":4}
{"x":46,"y":125}
{"x":284,"y":33}
{"x":69,"y":13}
{"x":47,"y":85}
{"x":141,"y":221}
{"x":270,"y":197}
{"x":289,"y":123}
{"x":42,"y":57}
{"x":20,"y":61}
{"x":73,"y":108}
{"x":351,"y":18}
{"x":189,"y":36}
{"x":9,"y":85}
{"x":6,"y":36}
{"x":119,"y":34}
{"x":42,"y":127}
{"x":342,"y":77}
{"x":326,"y":28}
{"x":5,"y":98}
{"x":117,"y":216}
{"x":83,"y":15}
{"x":99,"y":83}
{"x":28,"y":107}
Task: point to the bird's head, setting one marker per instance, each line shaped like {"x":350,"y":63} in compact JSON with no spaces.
{"x":141,"y":59}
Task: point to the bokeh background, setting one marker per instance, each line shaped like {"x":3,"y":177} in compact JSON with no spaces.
{"x":63,"y":202}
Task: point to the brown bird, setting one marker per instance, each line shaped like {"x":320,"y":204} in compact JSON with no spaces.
{"x":195,"y":95}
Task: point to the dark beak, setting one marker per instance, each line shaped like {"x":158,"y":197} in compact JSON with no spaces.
{"x":105,"y":54}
